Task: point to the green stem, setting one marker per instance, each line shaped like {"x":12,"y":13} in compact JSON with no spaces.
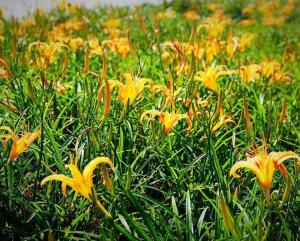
{"x":268,"y":199}
{"x":102,"y":208}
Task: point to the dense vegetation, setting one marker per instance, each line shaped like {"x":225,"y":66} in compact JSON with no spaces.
{"x":177,"y":121}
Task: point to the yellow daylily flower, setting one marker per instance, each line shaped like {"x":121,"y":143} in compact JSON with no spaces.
{"x":263,"y":165}
{"x":280,"y":76}
{"x":82,"y":182}
{"x":20,"y":144}
{"x":213,"y":26}
{"x":191,"y":15}
{"x":212,"y":49}
{"x":168,"y":120}
{"x":76,"y":43}
{"x":250,"y":72}
{"x":238,"y":44}
{"x":62,"y":88}
{"x":131,"y":89}
{"x":210,"y":75}
{"x":269,"y":68}
{"x":95,"y":47}
{"x":47,"y":52}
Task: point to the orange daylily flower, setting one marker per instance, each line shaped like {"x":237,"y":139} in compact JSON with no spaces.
{"x":82,"y":182}
{"x":168,"y":120}
{"x":263,"y":165}
{"x":131,"y":89}
{"x":20,"y":144}
{"x":118,"y":45}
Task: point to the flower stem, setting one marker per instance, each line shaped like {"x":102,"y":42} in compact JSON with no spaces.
{"x":102,"y":208}
{"x":268,"y":199}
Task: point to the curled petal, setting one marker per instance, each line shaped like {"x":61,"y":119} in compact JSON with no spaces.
{"x":250,"y":164}
{"x":188,"y":120}
{"x":58,"y":177}
{"x":89,"y":169}
{"x":170,"y":120}
{"x":288,"y":184}
{"x":152,"y":113}
{"x":280,"y":157}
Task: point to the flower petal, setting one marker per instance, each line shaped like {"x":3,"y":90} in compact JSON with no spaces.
{"x":58,"y":177}
{"x":250,"y":164}
{"x":89,"y":169}
{"x":281,"y":156}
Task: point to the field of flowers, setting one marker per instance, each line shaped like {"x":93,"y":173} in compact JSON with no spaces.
{"x":178,"y":121}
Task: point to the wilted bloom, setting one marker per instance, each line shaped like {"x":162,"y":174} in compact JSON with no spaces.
{"x":194,"y":107}
{"x":263,"y":165}
{"x":168,"y":120}
{"x":20,"y":144}
{"x":131,"y":89}
{"x":170,"y":94}
{"x":82,"y":182}
{"x":222,"y":118}
{"x":210,"y":75}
